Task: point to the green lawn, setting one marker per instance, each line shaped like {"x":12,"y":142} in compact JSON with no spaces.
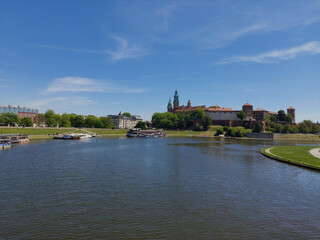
{"x":108,"y":131}
{"x":305,"y":137}
{"x":35,"y":131}
{"x":295,"y":154}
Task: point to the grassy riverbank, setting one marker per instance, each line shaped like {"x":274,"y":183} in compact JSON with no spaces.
{"x":297,"y":137}
{"x":35,"y":131}
{"x":293,"y":154}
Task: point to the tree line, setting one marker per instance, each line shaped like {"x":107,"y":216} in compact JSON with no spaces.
{"x":196,"y":120}
{"x":51,"y":119}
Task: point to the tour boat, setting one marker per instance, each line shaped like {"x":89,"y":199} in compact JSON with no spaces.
{"x":5,"y":144}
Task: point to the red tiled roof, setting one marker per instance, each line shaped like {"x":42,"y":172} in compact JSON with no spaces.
{"x":259,"y":109}
{"x":247,"y":104}
{"x":290,"y":108}
{"x":273,"y":113}
{"x":220,"y":110}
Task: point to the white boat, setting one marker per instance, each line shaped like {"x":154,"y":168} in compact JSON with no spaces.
{"x":84,"y":136}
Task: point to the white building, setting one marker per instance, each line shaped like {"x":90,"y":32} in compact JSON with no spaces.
{"x":121,"y":121}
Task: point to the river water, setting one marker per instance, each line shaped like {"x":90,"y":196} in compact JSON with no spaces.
{"x":169,"y":188}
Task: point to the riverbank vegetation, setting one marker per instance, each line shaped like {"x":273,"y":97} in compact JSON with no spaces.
{"x":35,"y":131}
{"x":196,"y":120}
{"x":293,"y":154}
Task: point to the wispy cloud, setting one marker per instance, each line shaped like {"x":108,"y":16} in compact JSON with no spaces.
{"x":274,"y":56}
{"x":71,"y":49}
{"x":165,"y":13}
{"x":227,"y":37}
{"x":126,"y":50}
{"x":79,"y":84}
{"x":222,"y":32}
{"x":73,"y":101}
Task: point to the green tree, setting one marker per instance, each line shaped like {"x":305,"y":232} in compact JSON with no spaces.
{"x":27,"y":122}
{"x":289,"y":118}
{"x":107,"y":122}
{"x":279,"y":128}
{"x":257,"y":127}
{"x":79,"y":121}
{"x":126,"y":114}
{"x":206,"y":122}
{"x":282,"y":116}
{"x":286,"y":129}
{"x":141,"y":125}
{"x":9,"y":119}
{"x":49,"y":113}
{"x":90,"y":121}
{"x":41,"y":119}
{"x":98,"y":123}
{"x":273,"y":118}
{"x":51,"y":122}
{"x":241,"y":115}
{"x":199,"y":113}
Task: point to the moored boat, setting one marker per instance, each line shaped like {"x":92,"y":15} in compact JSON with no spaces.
{"x":154,"y":133}
{"x":5,"y":144}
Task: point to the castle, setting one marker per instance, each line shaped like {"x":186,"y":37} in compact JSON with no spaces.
{"x":225,"y":116}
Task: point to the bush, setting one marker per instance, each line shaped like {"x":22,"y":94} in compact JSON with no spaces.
{"x":279,"y":128}
{"x":240,"y":133}
{"x":197,"y":127}
{"x":231,"y":132}
{"x":257,"y":127}
{"x":219,"y":131}
{"x":225,"y":128}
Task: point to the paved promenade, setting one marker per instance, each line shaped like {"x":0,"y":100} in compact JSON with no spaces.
{"x":315,"y":152}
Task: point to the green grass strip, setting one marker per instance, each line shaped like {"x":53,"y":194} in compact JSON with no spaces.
{"x":298,"y":155}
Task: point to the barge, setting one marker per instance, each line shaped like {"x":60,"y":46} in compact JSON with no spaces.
{"x":5,"y":144}
{"x":15,"y":138}
{"x":153,"y":133}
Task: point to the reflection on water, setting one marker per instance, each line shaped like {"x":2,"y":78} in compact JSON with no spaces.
{"x":172,"y":188}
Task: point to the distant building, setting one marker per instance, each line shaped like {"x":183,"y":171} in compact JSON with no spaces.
{"x":121,"y":121}
{"x":21,"y":112}
{"x":225,"y":116}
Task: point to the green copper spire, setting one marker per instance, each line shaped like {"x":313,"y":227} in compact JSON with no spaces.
{"x":176,"y":97}
{"x":169,"y":104}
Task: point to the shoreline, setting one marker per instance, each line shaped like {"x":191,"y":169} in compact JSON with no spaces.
{"x":266,"y":152}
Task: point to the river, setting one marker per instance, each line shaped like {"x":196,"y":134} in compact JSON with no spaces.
{"x":168,"y":188}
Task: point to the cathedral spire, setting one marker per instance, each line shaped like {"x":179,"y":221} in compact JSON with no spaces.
{"x":176,"y":100}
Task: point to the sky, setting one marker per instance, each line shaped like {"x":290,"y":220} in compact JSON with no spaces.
{"x":102,"y":57}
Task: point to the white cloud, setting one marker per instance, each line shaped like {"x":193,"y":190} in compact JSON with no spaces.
{"x":79,"y":84}
{"x":165,"y":13}
{"x":126,"y":50}
{"x":274,"y":56}
{"x":226,"y":37}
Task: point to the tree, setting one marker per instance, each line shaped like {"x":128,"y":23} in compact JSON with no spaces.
{"x":279,"y":128}
{"x":126,"y":114}
{"x":257,"y":127}
{"x":51,"y":122}
{"x":141,"y":125}
{"x":289,"y":118}
{"x":41,"y":119}
{"x":241,"y":115}
{"x":199,"y":113}
{"x":49,"y":113}
{"x":27,"y":122}
{"x":273,"y":118}
{"x":90,"y":121}
{"x":79,"y":121}
{"x":206,"y":122}
{"x":282,"y":116}
{"x":107,"y":122}
{"x":9,"y":119}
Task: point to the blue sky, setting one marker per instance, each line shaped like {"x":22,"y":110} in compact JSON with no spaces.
{"x":100,"y":57}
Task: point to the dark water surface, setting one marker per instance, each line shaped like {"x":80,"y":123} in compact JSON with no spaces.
{"x":170,"y":188}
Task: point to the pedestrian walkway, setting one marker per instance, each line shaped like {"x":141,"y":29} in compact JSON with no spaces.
{"x":315,"y":152}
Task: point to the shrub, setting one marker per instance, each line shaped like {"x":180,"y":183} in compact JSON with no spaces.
{"x":231,"y":132}
{"x":257,"y":127}
{"x":225,"y":128}
{"x":279,"y":128}
{"x":219,"y":131}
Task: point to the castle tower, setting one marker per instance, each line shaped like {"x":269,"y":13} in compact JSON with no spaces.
{"x":292,"y":111}
{"x":176,"y":100}
{"x":169,"y":107}
{"x":189,"y":104}
{"x":248,"y":109}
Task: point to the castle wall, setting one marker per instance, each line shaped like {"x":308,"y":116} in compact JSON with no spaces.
{"x":223,"y":115}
